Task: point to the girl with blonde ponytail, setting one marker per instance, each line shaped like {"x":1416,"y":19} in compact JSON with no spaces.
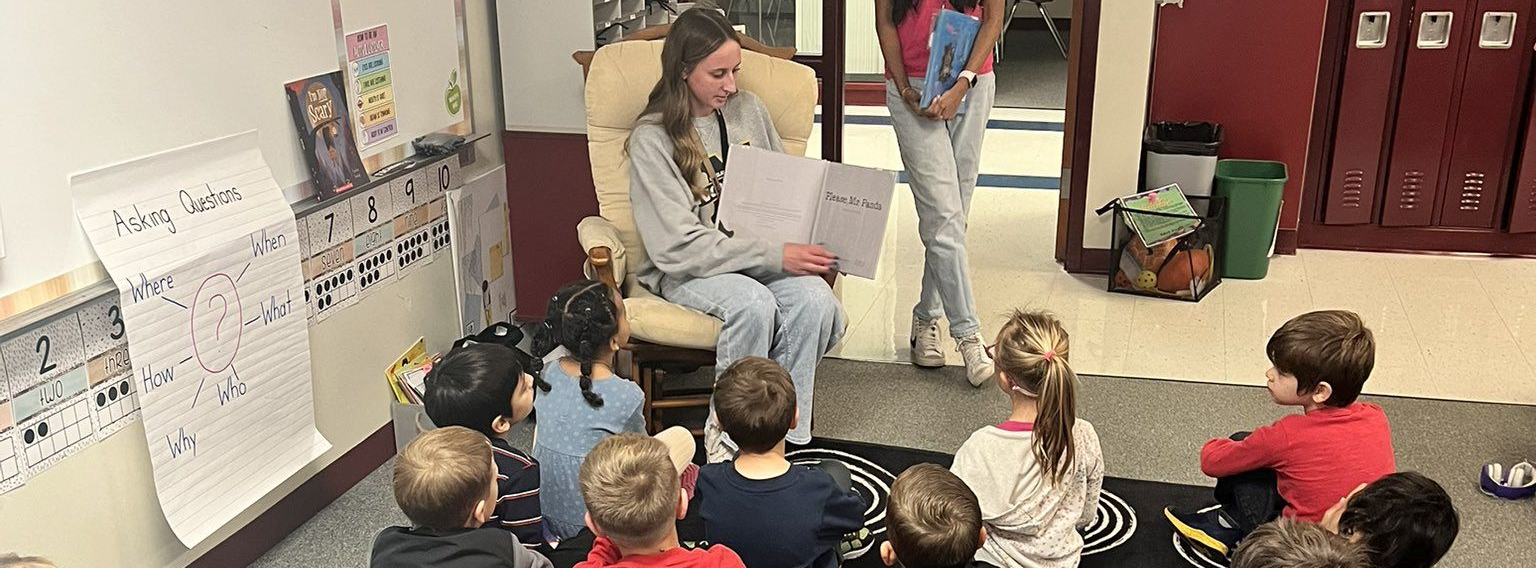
{"x":1037,"y":474}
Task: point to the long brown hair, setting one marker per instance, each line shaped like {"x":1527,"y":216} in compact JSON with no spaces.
{"x":695,"y":35}
{"x":1032,"y":352}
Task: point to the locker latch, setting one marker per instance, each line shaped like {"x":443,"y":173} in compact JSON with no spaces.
{"x":1498,"y":30}
{"x":1372,"y":30}
{"x":1434,"y":30}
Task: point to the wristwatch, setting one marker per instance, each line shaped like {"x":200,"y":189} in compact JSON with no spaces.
{"x":969,"y":76}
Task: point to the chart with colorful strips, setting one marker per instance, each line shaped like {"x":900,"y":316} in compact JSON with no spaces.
{"x":68,"y":384}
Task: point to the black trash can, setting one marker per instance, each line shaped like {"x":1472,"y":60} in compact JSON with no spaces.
{"x":1183,"y":153}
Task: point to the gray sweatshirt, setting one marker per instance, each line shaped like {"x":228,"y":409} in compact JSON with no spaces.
{"x":1031,"y":524}
{"x":679,"y":232}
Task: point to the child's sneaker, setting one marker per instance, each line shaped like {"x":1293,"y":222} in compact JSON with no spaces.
{"x":1515,"y":482}
{"x":978,"y":366}
{"x":854,"y":544}
{"x":1206,"y":527}
{"x":925,"y":343}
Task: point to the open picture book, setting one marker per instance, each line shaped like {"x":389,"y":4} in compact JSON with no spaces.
{"x":782,"y":198}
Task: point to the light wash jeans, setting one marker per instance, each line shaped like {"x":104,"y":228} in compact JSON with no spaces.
{"x":942,"y":159}
{"x":793,"y":320}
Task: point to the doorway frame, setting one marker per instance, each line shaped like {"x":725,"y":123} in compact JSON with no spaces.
{"x":1082,"y":72}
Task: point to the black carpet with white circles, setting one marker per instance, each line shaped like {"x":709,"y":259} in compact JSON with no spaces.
{"x":1129,"y":529}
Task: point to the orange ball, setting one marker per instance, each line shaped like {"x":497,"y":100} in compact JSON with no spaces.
{"x":1183,"y":268}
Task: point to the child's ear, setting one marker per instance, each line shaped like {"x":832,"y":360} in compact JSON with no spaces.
{"x":887,"y":553}
{"x":501,"y":425}
{"x":1321,"y":393}
{"x":982,"y":537}
{"x":795,"y":422}
{"x":682,"y":504}
{"x":586,"y":519}
{"x":479,"y":515}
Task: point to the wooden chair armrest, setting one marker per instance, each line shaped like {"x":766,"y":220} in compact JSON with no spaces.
{"x":601,"y":261}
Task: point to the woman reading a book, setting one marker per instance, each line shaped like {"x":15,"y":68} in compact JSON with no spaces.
{"x":941,"y":151}
{"x":771,"y":297}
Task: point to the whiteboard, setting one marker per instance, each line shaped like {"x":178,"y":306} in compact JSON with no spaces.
{"x":92,"y":83}
{"x":425,"y":41}
{"x":86,"y":84}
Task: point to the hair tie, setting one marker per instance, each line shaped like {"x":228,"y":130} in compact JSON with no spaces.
{"x":1022,"y":390}
{"x":1049,"y":355}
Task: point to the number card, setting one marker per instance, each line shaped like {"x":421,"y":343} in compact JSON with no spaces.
{"x":13,"y":472}
{"x":45,"y":369}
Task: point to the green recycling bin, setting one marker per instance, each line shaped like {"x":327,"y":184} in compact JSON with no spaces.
{"x":1253,"y":190}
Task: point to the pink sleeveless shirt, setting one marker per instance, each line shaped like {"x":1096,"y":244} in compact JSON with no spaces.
{"x":915,"y":29}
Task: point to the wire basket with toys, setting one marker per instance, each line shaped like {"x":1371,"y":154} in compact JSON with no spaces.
{"x":1184,"y":233}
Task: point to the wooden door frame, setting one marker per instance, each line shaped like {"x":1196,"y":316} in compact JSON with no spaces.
{"x":831,"y":67}
{"x":1082,"y":64}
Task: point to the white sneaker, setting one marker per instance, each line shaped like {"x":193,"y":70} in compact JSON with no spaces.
{"x":716,"y":449}
{"x":925,"y":344}
{"x":978,"y":366}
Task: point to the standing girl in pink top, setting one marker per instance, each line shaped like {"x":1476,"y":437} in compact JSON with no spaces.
{"x":941,"y":152}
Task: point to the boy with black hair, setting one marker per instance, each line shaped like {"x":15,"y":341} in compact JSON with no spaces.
{"x":445,"y":482}
{"x":482,"y":386}
{"x":1303,"y":463}
{"x":933,"y":521}
{"x":1405,"y":520}
{"x":769,"y":511}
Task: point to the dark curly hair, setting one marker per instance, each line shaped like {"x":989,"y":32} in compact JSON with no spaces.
{"x":1406,"y":520}
{"x":582,"y":318}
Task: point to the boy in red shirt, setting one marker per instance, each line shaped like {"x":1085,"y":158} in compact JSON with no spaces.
{"x":1301,"y":465}
{"x":634,"y":499}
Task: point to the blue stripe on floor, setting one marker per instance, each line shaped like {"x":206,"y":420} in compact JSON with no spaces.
{"x":1006,"y":181}
{"x":995,"y":124}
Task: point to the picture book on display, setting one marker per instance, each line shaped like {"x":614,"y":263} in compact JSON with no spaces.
{"x":320,"y":114}
{"x":954,"y":34}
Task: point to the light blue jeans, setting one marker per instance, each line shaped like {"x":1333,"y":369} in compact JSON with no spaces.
{"x":793,"y":320}
{"x":942,"y":159}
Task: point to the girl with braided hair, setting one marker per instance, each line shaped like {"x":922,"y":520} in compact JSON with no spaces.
{"x":580,"y":400}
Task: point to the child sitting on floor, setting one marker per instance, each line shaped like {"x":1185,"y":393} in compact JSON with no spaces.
{"x":933,"y":521}
{"x":1038,"y":474}
{"x":1284,"y":543}
{"x":1405,"y":520}
{"x":634,"y":499}
{"x":445,"y":482}
{"x":583,"y":401}
{"x":1303,"y":463}
{"x":482,"y":386}
{"x":773,"y":513}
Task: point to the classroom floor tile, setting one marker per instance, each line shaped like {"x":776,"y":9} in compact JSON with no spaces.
{"x":1446,"y":327}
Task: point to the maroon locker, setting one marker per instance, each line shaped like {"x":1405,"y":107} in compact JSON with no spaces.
{"x":1366,"y":90}
{"x":1522,"y":213}
{"x":1419,"y":145}
{"x":1493,"y":96}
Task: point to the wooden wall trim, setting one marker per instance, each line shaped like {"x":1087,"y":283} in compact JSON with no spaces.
{"x":1082,"y":66}
{"x":298,"y":507}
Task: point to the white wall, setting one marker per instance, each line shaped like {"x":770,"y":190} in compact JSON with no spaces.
{"x":1121,"y":81}
{"x":98,"y":508}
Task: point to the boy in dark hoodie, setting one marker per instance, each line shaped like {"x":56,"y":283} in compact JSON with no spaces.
{"x":634,"y":499}
{"x":445,"y":482}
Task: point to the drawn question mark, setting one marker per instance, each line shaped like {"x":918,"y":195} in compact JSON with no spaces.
{"x":223,"y":314}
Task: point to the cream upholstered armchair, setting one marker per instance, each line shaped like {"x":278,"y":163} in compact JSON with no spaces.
{"x":664,"y":335}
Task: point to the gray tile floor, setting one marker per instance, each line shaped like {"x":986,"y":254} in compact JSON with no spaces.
{"x":1032,"y":74}
{"x":1150,"y":429}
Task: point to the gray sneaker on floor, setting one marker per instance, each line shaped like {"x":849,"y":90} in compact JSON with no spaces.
{"x":978,"y":366}
{"x":925,"y":344}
